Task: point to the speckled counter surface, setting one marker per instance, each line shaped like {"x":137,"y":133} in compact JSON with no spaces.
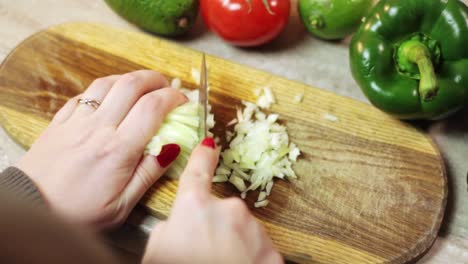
{"x":295,"y":55}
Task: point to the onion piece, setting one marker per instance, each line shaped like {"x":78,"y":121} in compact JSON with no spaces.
{"x":232,"y":122}
{"x":261,"y":204}
{"x":223,"y":170}
{"x":243,"y":195}
{"x":266,"y":99}
{"x":299,"y":98}
{"x":238,"y":183}
{"x":262,"y":196}
{"x":176,"y":83}
{"x":220,"y":178}
{"x":268,"y":188}
{"x":196,"y":75}
{"x":258,"y":92}
{"x":330,"y":117}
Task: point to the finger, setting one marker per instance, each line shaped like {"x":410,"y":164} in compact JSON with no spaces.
{"x":126,"y":92}
{"x":66,"y":111}
{"x":148,"y":171}
{"x":272,"y":257}
{"x":198,"y":174}
{"x":266,"y":252}
{"x":154,"y":245}
{"x":145,"y":118}
{"x":96,"y":91}
{"x":158,"y":228}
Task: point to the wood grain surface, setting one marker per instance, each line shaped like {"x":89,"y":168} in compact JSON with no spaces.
{"x":371,"y":189}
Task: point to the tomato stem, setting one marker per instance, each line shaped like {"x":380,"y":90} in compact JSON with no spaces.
{"x":265,"y":2}
{"x":249,"y":2}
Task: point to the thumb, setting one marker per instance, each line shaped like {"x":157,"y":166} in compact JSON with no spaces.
{"x":148,"y":171}
{"x":200,"y":168}
{"x":155,"y":244}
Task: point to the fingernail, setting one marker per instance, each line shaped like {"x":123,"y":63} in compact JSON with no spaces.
{"x":209,"y":142}
{"x":168,"y":154}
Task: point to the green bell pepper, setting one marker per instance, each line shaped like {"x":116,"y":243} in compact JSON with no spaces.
{"x":410,"y":57}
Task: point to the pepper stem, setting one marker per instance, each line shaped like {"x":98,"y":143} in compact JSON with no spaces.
{"x":418,"y":53}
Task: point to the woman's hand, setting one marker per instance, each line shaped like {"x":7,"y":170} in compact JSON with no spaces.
{"x":202,"y":229}
{"x":89,"y":163}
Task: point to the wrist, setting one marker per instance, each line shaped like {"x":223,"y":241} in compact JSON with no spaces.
{"x":17,"y":181}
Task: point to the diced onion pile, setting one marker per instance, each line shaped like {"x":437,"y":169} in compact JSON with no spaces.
{"x":259,"y":147}
{"x":258,"y":151}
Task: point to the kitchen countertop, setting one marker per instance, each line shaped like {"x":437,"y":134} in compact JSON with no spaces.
{"x":294,"y":55}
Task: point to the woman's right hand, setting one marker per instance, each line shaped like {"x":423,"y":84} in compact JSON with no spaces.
{"x":203,"y":229}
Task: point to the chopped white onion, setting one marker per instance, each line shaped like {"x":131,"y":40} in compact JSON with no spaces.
{"x":268,"y":187}
{"x":223,"y":170}
{"x":240,"y":118}
{"x":229,"y":135}
{"x":220,"y":178}
{"x":262,"y":196}
{"x":259,"y":147}
{"x":258,"y":92}
{"x":266,"y":99}
{"x":259,"y":151}
{"x":269,"y":94}
{"x":330,"y":117}
{"x":196,"y":75}
{"x":238,"y":183}
{"x":299,"y":98}
{"x":176,"y":83}
{"x":261,"y":204}
{"x":243,"y":195}
{"x":232,"y":122}
{"x":294,"y":152}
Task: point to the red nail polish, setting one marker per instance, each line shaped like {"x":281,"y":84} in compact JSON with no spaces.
{"x":209,"y":142}
{"x":168,"y":154}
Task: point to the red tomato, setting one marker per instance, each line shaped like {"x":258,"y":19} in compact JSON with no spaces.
{"x":246,"y":23}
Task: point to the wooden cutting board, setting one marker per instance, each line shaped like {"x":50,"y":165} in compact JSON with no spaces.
{"x":371,"y":189}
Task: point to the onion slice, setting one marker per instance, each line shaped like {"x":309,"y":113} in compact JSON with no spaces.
{"x":181,"y":127}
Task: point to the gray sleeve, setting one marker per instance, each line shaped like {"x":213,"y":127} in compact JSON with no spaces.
{"x":16,"y":181}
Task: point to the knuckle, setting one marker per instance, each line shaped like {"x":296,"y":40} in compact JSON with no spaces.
{"x":157,"y":75}
{"x":110,"y":148}
{"x":202,"y":177}
{"x":174,"y":93}
{"x":236,"y":205}
{"x":130,"y":80}
{"x":194,"y":198}
{"x":239,"y":214}
{"x":145,"y":176}
{"x":100,"y":82}
{"x":197,"y":197}
{"x":73,"y":100}
{"x":151,"y":101}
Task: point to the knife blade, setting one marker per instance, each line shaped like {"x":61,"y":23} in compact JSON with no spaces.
{"x":203,"y":100}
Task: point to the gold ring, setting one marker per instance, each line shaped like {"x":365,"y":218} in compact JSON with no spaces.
{"x":93,"y":103}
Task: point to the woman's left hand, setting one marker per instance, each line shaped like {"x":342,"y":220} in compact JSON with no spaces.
{"x":89,"y":163}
